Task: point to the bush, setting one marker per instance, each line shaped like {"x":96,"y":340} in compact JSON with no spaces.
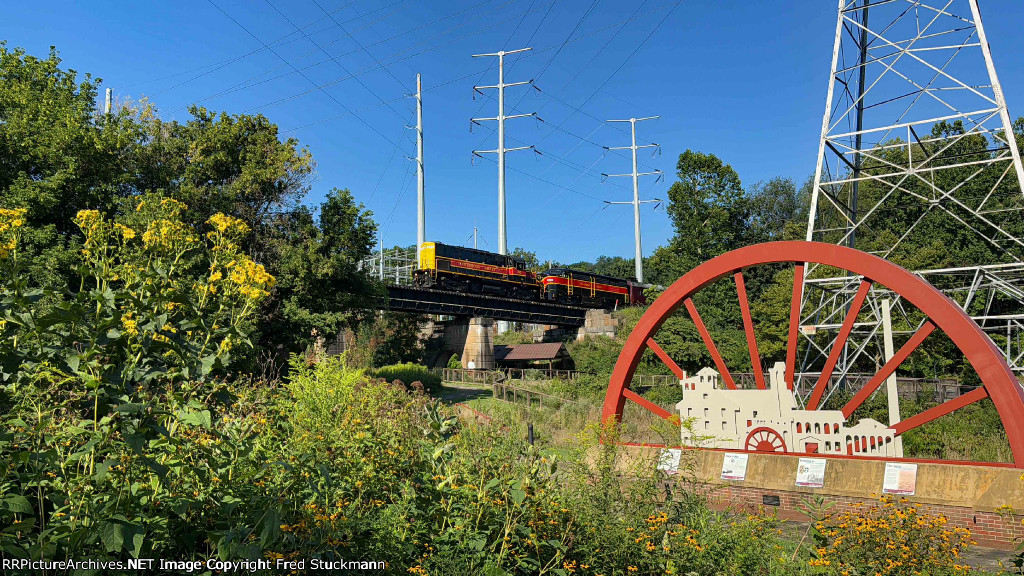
{"x":387,"y":338}
{"x":667,"y":395}
{"x":891,"y":538}
{"x":513,"y":337}
{"x":407,"y":374}
{"x":595,"y":355}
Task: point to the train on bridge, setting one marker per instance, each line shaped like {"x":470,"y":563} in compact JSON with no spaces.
{"x":458,"y":269}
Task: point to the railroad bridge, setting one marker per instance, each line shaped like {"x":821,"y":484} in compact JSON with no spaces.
{"x":470,"y":332}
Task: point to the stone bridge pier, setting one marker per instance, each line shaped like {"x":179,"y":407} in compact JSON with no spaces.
{"x":471,"y":338}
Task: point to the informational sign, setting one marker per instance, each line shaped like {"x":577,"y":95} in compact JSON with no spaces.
{"x":900,"y":478}
{"x":734,"y":466}
{"x":810,"y":473}
{"x":668,"y":460}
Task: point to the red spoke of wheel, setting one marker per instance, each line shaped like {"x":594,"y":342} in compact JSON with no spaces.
{"x":748,"y":327}
{"x":710,"y":344}
{"x":794,"y":325}
{"x":665,"y":358}
{"x":840,"y":343}
{"x":657,"y":410}
{"x":998,"y":380}
{"x":889,"y":368}
{"x":939,"y":411}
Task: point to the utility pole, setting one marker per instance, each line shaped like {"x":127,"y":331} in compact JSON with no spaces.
{"x":380,"y":238}
{"x":421,"y":216}
{"x":636,"y":190}
{"x":108,"y":101}
{"x":475,"y":236}
{"x":501,"y":149}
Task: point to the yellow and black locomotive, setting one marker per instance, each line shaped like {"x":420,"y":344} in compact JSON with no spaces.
{"x":461,"y":269}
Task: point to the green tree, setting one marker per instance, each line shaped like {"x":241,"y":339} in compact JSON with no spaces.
{"x":532,"y":263}
{"x":59,"y":155}
{"x":774,"y":206}
{"x":708,"y":208}
{"x":321,"y":289}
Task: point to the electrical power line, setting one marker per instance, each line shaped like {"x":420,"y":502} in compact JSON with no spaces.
{"x":218,"y":65}
{"x":631,"y":54}
{"x":373,"y":68}
{"x":550,"y":60}
{"x":378,"y":105}
{"x":361,"y":47}
{"x":308,"y":79}
{"x":668,"y":6}
{"x":252,"y":82}
{"x":335,"y":60}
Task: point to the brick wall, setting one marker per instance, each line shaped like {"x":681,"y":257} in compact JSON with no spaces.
{"x":987,"y":528}
{"x":986,"y":499}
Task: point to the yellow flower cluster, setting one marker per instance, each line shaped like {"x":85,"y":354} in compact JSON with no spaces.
{"x":126,"y":232}
{"x":88,"y":220}
{"x":251,"y":279}
{"x":891,"y":538}
{"x":129,"y":323}
{"x":167,"y":234}
{"x":10,"y":221}
{"x":224,"y":223}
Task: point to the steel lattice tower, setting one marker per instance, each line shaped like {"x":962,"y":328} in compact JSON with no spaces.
{"x":916,"y":139}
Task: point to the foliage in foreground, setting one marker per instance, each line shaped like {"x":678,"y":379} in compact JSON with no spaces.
{"x":337,"y":465}
{"x":61,"y":155}
{"x":892,"y":538}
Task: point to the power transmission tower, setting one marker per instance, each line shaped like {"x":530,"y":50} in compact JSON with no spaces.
{"x":501,"y":149}
{"x":915,"y":139}
{"x":636,"y":189}
{"x":108,"y":102}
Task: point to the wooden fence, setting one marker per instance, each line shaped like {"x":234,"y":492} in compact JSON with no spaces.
{"x":505,"y":374}
{"x":472,"y":376}
{"x":939,"y":390}
{"x":516,"y":395}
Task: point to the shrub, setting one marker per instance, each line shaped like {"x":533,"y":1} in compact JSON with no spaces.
{"x":595,"y":355}
{"x":512,"y":337}
{"x":667,"y":395}
{"x":158,"y":302}
{"x":387,"y":338}
{"x":407,"y":374}
{"x":891,"y":538}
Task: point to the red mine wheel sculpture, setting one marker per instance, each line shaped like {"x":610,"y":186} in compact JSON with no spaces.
{"x":764,"y":439}
{"x":941,"y":313}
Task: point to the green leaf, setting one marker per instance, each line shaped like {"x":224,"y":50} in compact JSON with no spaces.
{"x":131,"y":408}
{"x":207,"y":364}
{"x":517,"y":495}
{"x":196,"y":418}
{"x":18,"y":504}
{"x":102,"y":469}
{"x":271,"y":527}
{"x":119,"y":535}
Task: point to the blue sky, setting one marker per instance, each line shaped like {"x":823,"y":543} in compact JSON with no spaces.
{"x":744,"y":80}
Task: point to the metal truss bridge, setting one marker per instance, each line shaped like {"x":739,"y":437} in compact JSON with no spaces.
{"x":441,"y":303}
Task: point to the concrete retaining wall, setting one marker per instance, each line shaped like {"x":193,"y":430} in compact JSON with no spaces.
{"x":987,"y":500}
